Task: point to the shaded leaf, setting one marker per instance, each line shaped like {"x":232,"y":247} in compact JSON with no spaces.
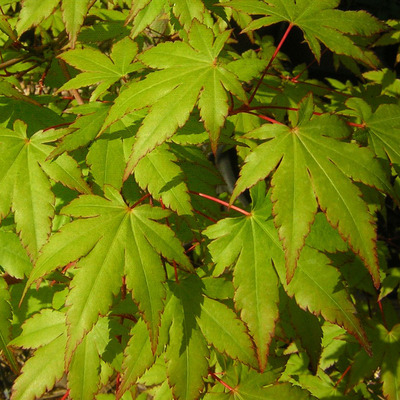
{"x":318,"y":20}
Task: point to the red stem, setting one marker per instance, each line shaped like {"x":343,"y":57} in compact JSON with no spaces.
{"x":231,"y":389}
{"x":57,"y":126}
{"x":382,"y":313}
{"x":176,"y":272}
{"x":343,"y":375}
{"x":294,"y":79}
{"x":193,"y":246}
{"x":285,"y":35}
{"x":141,"y":200}
{"x":224,"y":203}
{"x":265,"y":118}
{"x":206,"y":216}
{"x":65,"y":395}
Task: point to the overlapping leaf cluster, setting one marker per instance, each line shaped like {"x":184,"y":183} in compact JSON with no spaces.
{"x":135,"y":264}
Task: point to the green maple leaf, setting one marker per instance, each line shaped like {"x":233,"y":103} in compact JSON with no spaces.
{"x":382,"y":128}
{"x":316,"y":285}
{"x":242,"y":241}
{"x":114,"y":240}
{"x":193,"y":75}
{"x":187,"y":352}
{"x":25,"y":186}
{"x":99,"y":68}
{"x":318,"y":20}
{"x":314,"y":168}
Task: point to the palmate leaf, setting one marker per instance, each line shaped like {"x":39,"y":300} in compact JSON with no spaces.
{"x":193,"y":74}
{"x":314,"y":166}
{"x":243,"y":242}
{"x":383,"y":132}
{"x":318,"y":20}
{"x":34,"y":12}
{"x":115,"y":240}
{"x":99,"y":68}
{"x":25,"y":186}
{"x":41,"y":329}
{"x":316,"y":285}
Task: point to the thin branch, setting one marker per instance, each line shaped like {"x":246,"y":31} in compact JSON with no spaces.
{"x":66,"y":73}
{"x":224,"y":203}
{"x":285,"y":35}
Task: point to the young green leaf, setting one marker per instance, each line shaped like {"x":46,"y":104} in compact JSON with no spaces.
{"x":318,"y":20}
{"x":314,"y":166}
{"x":85,"y":129}
{"x":106,"y":161}
{"x":99,"y":68}
{"x":384,"y":132}
{"x":193,"y":74}
{"x":226,"y":332}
